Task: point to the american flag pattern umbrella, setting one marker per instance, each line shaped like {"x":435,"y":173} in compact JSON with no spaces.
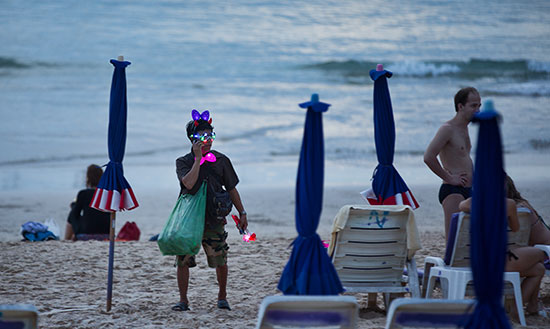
{"x":388,"y":188}
{"x":113,"y":192}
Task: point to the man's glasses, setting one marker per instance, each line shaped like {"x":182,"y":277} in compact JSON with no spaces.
{"x":204,"y":137}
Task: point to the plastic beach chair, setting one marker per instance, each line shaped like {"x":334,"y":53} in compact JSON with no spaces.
{"x":429,"y":313}
{"x":308,"y":312}
{"x":457,"y":253}
{"x":20,"y":316}
{"x":456,"y":272}
{"x":546,"y":249}
{"x":371,"y":250}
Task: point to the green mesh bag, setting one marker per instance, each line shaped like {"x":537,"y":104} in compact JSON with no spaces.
{"x":182,"y":233}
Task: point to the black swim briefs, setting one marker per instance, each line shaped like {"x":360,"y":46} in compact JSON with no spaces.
{"x":447,"y":189}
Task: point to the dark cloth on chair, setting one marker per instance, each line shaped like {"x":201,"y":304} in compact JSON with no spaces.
{"x":452,"y":237}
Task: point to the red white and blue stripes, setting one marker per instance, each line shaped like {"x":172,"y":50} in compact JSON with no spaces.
{"x":403,"y":198}
{"x":113,"y":200}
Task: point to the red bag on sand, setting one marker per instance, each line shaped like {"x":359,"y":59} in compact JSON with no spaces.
{"x":128,"y":232}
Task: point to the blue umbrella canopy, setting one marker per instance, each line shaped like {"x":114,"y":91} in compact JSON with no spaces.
{"x":309,"y":270}
{"x":388,"y":188}
{"x":488,"y":224}
{"x":113,"y":192}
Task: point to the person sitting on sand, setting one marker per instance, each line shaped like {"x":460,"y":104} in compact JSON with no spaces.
{"x":219,"y":172}
{"x":528,"y":261}
{"x":540,"y":232}
{"x":82,"y":218}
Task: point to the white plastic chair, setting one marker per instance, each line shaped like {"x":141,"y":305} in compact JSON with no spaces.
{"x":308,"y":312}
{"x":457,"y":275}
{"x":433,"y":313}
{"x":460,"y":255}
{"x":546,"y":249}
{"x":24,"y":316}
{"x":372,"y":247}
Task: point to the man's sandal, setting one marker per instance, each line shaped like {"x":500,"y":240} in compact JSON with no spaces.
{"x":223,"y":304}
{"x":181,"y":306}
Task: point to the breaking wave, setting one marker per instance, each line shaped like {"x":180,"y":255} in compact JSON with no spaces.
{"x":471,"y":69}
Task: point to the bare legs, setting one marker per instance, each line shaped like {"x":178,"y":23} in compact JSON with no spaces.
{"x":450,"y":206}
{"x":529,"y":265}
{"x":69,"y":233}
{"x":221,"y":274}
{"x":183,"y":282}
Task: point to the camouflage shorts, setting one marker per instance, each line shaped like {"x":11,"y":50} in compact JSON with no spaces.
{"x":215,"y":248}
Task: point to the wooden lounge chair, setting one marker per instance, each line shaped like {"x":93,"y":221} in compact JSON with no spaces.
{"x":22,"y":316}
{"x":370,"y":247}
{"x":308,"y":312}
{"x":429,"y":313}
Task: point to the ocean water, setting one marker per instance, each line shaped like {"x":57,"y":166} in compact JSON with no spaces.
{"x":250,"y":63}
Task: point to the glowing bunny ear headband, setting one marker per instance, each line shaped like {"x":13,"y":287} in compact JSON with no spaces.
{"x":204,"y":115}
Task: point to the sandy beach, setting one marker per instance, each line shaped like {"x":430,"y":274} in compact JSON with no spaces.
{"x":67,"y":281}
{"x":250,"y":63}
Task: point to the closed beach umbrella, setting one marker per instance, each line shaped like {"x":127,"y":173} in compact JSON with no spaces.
{"x":113,"y":192}
{"x":309,"y":270}
{"x":388,"y":188}
{"x":488,"y":224}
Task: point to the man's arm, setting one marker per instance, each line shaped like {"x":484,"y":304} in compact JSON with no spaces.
{"x":191,"y":177}
{"x":236,"y":199}
{"x":441,"y":138}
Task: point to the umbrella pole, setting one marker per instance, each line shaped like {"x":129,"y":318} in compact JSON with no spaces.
{"x":111,"y":261}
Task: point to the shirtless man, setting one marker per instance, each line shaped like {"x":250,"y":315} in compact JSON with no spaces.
{"x":452,"y":144}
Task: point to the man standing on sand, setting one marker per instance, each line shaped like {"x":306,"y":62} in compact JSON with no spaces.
{"x":203,"y":163}
{"x":452,"y":144}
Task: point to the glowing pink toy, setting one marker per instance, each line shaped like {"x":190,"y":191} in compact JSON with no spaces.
{"x":210,"y":157}
{"x":247,"y":236}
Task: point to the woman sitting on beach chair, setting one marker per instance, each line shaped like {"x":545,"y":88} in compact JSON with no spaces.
{"x":528,"y":261}
{"x":83,"y":219}
{"x":540,"y":231}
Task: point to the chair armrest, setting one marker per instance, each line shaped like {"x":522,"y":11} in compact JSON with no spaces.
{"x":544,"y":247}
{"x":436,"y":261}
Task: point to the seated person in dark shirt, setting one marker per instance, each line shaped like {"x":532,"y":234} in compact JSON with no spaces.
{"x":83,"y":219}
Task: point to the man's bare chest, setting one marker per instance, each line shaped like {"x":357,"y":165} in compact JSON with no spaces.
{"x":459,"y":143}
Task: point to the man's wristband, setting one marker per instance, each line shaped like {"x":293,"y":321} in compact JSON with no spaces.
{"x":242,"y":212}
